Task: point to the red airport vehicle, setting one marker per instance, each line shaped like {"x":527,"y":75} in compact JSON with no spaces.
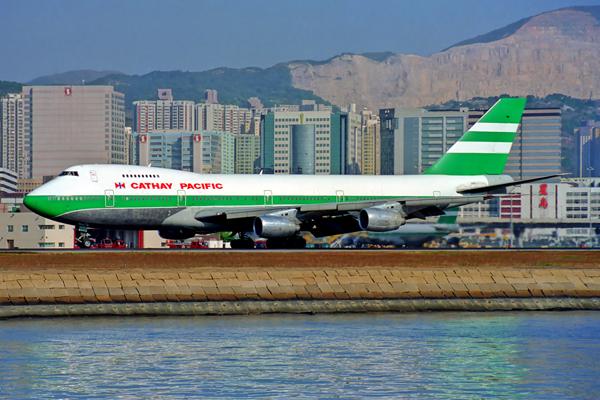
{"x":106,"y":244}
{"x":119,"y":244}
{"x":187,"y":244}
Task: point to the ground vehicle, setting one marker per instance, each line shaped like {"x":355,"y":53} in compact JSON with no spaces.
{"x":187,"y":244}
{"x":92,"y":244}
{"x":106,"y":244}
{"x":119,"y":244}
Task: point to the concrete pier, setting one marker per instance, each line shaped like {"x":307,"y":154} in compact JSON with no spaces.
{"x":253,"y":290}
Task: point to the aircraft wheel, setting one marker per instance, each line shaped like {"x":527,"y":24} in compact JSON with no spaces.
{"x":274,"y":243}
{"x":299,"y":243}
{"x":87,"y":243}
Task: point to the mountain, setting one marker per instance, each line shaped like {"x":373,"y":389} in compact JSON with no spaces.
{"x":71,"y":77}
{"x":234,"y":86}
{"x":7,"y":87}
{"x":554,"y":52}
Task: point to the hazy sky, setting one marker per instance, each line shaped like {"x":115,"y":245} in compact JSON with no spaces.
{"x":139,"y":36}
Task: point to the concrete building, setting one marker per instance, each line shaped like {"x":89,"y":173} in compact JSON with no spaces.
{"x":27,"y":230}
{"x":353,"y":142}
{"x":221,"y":117}
{"x":247,"y":154}
{"x":70,"y":125}
{"x":371,"y":144}
{"x":218,"y":152}
{"x":12,"y":134}
{"x":168,"y":149}
{"x":9,"y":181}
{"x":294,"y":142}
{"x":311,"y":105}
{"x":536,"y":150}
{"x":200,"y":152}
{"x":587,"y":152}
{"x":210,"y":96}
{"x":163,"y":114}
{"x":412,"y":140}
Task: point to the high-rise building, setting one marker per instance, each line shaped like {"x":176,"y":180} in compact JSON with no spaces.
{"x":210,"y":96}
{"x":371,"y":146}
{"x":12,"y":139}
{"x":163,"y":114}
{"x":247,"y":154}
{"x":536,"y":150}
{"x":70,"y":125}
{"x":295,"y":142}
{"x":587,"y":152}
{"x":168,"y":149}
{"x":412,"y":140}
{"x":8,"y":181}
{"x":200,"y":152}
{"x":221,"y":117}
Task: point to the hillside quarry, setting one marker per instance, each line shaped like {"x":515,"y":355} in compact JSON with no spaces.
{"x":554,"y":52}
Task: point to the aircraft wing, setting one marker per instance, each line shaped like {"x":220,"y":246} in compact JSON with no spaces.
{"x":324,"y":219}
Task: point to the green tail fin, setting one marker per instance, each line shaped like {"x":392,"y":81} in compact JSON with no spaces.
{"x":484,"y":149}
{"x":449,"y":218}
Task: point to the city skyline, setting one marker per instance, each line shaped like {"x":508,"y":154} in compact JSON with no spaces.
{"x":62,"y":37}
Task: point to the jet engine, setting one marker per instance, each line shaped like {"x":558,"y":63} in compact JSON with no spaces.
{"x":176,"y":234}
{"x":269,"y":226}
{"x":380,"y":220}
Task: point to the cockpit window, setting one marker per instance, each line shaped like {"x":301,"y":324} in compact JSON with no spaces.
{"x":70,"y":173}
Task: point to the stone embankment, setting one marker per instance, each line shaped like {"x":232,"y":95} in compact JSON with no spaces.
{"x":250,"y":290}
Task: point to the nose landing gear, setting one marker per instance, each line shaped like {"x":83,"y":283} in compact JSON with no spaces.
{"x":292,"y":242}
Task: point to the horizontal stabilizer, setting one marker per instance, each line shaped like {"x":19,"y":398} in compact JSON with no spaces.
{"x":492,"y":188}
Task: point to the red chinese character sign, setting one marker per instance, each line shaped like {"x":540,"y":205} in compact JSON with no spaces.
{"x":143,"y":138}
{"x":68,"y":91}
{"x":543,"y":203}
{"x":544,"y":189}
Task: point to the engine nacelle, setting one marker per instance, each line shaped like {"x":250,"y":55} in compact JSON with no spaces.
{"x":269,"y":226}
{"x":380,"y":220}
{"x":176,"y":234}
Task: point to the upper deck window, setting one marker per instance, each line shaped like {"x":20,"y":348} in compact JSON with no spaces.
{"x":71,"y":173}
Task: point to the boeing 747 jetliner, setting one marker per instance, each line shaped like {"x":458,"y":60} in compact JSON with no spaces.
{"x":180,"y":204}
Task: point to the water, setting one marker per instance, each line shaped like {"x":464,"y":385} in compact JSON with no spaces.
{"x":527,"y":355}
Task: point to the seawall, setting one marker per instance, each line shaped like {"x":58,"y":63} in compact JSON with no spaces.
{"x":253,"y":290}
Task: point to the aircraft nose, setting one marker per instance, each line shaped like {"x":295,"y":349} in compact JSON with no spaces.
{"x":34,"y":203}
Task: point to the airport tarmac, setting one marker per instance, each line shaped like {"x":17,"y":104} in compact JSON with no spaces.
{"x":242,"y":282}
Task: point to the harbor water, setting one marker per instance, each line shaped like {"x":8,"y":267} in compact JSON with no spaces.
{"x":512,"y":355}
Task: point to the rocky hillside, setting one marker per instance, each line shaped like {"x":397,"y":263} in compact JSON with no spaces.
{"x":554,"y":52}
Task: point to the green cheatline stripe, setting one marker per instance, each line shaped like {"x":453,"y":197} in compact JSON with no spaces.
{"x":54,"y":207}
{"x":469,"y":164}
{"x":472,"y":136}
{"x":506,"y":111}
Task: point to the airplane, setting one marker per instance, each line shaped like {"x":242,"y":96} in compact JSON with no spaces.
{"x":413,"y":235}
{"x":180,"y":204}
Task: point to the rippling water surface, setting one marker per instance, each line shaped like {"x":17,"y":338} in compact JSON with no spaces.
{"x":431,"y":355}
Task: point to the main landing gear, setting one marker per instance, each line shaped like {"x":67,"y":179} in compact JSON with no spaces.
{"x":244,"y":242}
{"x":292,"y":242}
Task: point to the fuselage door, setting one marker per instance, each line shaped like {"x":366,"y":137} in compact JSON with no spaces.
{"x":109,"y":199}
{"x":268,"y":198}
{"x":181,"y":198}
{"x":93,"y":176}
{"x":339,"y":196}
